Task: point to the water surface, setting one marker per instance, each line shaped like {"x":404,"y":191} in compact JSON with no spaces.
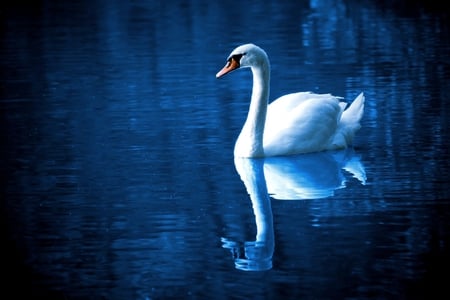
{"x":119,"y":180}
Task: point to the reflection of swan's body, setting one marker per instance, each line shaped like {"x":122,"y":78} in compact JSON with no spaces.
{"x":295,"y":123}
{"x":311,"y":176}
{"x":305,"y":176}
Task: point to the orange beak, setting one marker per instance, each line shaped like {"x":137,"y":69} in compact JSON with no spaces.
{"x":231,"y":65}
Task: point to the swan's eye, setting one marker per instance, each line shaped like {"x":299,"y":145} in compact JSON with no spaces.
{"x":237,"y":57}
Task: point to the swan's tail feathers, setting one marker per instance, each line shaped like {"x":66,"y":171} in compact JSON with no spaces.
{"x":352,"y":115}
{"x":349,"y":123}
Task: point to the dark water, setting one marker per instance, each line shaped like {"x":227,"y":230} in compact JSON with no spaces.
{"x":118,"y":179}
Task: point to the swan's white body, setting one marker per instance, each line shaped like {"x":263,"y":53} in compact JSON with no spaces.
{"x":292,"y":124}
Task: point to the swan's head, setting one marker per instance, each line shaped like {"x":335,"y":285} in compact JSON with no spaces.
{"x":247,"y":55}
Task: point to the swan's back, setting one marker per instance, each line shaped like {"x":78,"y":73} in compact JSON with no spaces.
{"x":286,"y":103}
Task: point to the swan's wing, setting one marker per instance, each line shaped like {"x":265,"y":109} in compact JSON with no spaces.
{"x":301,"y":123}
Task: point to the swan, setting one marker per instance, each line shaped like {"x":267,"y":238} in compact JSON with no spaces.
{"x":296,"y":123}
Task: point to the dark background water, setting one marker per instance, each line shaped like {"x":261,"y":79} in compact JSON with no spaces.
{"x":118,"y":179}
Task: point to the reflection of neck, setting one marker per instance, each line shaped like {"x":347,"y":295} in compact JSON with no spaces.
{"x":252,"y":174}
{"x":263,"y":212}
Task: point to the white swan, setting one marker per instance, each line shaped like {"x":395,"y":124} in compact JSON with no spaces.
{"x":295,"y":123}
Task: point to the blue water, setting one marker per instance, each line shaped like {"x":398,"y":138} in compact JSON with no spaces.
{"x":118,"y":178}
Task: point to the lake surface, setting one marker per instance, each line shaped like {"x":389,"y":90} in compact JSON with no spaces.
{"x":118,"y":178}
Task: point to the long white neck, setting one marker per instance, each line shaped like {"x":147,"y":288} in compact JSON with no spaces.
{"x":250,"y":140}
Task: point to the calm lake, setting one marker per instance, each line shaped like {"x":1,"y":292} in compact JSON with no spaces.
{"x":118,"y":178}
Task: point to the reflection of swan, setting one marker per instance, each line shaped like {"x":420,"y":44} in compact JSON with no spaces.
{"x":294,"y":123}
{"x":311,"y":176}
{"x":305,"y":176}
{"x":257,"y":254}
